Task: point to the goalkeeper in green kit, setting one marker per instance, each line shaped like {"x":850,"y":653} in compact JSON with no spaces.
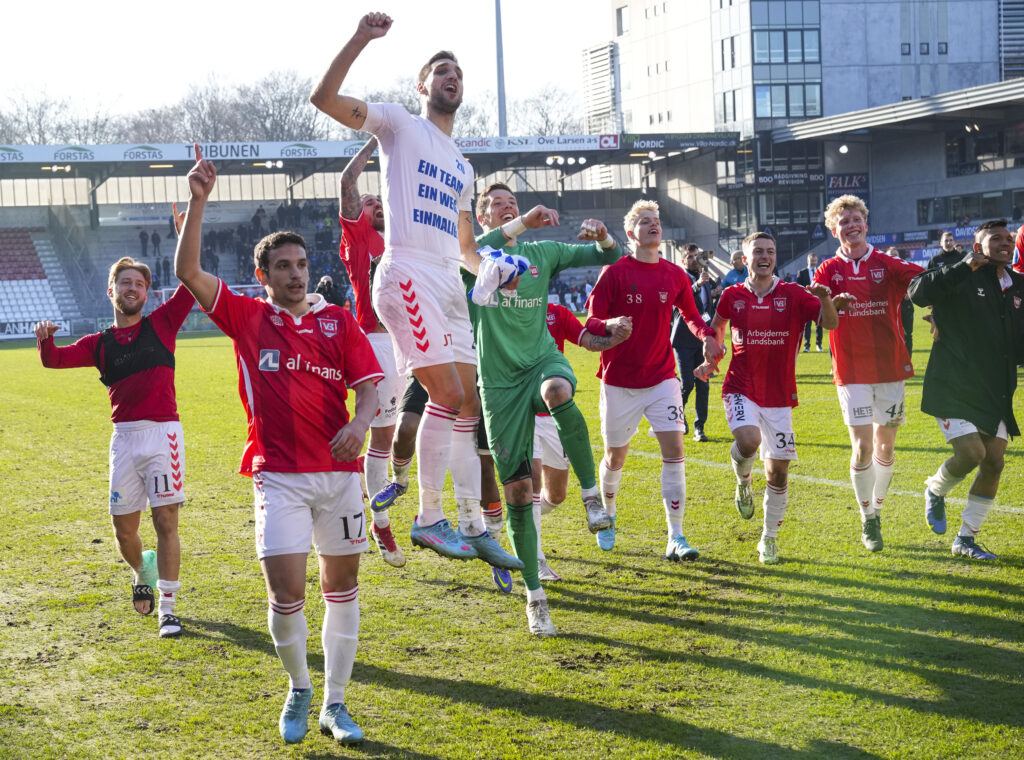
{"x":522,"y":372}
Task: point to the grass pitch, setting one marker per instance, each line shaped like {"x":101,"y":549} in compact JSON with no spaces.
{"x":833,"y":653}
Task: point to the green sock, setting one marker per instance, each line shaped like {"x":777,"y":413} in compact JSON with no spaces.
{"x":523,"y":535}
{"x":575,"y":438}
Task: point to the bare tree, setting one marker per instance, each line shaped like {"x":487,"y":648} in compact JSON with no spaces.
{"x":551,"y":111}
{"x":277,"y":108}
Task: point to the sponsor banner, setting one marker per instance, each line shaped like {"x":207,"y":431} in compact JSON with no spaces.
{"x":158,"y":215}
{"x":261,"y":152}
{"x":787,"y":179}
{"x":15,"y":330}
{"x":847,"y":184}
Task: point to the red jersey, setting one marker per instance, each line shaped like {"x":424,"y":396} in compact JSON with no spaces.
{"x":647,"y":293}
{"x":1018,"y":251}
{"x":292,"y":378}
{"x":360,"y":243}
{"x":766,"y":336}
{"x":146,"y":395}
{"x":868,"y":346}
{"x":563,"y":326}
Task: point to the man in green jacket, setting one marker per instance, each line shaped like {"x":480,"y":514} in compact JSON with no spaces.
{"x":972,"y":375}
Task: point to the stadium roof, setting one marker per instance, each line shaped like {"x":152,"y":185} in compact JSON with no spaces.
{"x":997,"y":103}
{"x":487,"y":154}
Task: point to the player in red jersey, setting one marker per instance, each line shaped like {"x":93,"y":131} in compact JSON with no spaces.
{"x":550,"y":462}
{"x":135,"y":357}
{"x":296,"y":354}
{"x":869,"y":356}
{"x":767,"y":317}
{"x":362,"y":228}
{"x":638,"y":377}
{"x":1017,"y":263}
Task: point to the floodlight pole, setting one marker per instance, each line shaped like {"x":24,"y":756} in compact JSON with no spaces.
{"x":502,"y":126}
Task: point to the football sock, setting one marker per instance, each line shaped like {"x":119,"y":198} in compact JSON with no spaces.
{"x":433,"y":448}
{"x":863,"y":478}
{"x":536,"y":523}
{"x":471,"y":519}
{"x":974,"y":514}
{"x":523,"y":535}
{"x":673,"y":493}
{"x":775,"y":502}
{"x":575,"y":438}
{"x":545,"y":500}
{"x":883,"y":476}
{"x":340,"y":638}
{"x":465,"y":461}
{"x":533,"y":594}
{"x":400,"y":469}
{"x":493,"y":517}
{"x":167,"y":596}
{"x":287,"y":624}
{"x":943,"y":481}
{"x":741,"y":465}
{"x":610,"y":480}
{"x":375,"y":469}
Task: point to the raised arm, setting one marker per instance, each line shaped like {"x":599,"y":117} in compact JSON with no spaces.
{"x":187,"y":266}
{"x":325,"y":96}
{"x":350,"y":206}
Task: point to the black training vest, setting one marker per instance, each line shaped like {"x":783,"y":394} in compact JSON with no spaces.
{"x":120,"y":360}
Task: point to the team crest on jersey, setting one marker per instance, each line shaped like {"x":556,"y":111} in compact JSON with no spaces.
{"x":328,"y":327}
{"x":877,"y":275}
{"x":780,"y":303}
{"x":837,"y":277}
{"x":551,"y":319}
{"x":663,"y":295}
{"x":738,"y":306}
{"x":534,"y":271}
{"x":277,"y":320}
{"x":1016,"y":302}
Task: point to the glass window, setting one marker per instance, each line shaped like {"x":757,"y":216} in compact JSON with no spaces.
{"x":811,"y":47}
{"x":761,"y":47}
{"x":924,"y":48}
{"x":776,"y":47}
{"x":811,"y":12}
{"x":762,"y":73}
{"x":778,"y":100}
{"x":794,"y":12}
{"x":759,"y":12}
{"x":782,"y":212}
{"x":732,"y":54}
{"x":762,"y":101}
{"x":767,"y":209}
{"x":800,"y":208}
{"x":794,"y":47}
{"x":777,"y":13}
{"x":722,"y":56}
{"x":796,"y":100}
{"x":992,"y":205}
{"x":622,"y":20}
{"x":904,"y":48}
{"x":943,"y":48}
{"x":812,"y":100}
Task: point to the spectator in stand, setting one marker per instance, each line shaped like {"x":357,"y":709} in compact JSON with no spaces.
{"x":144,"y":243}
{"x":738,"y":274}
{"x":155,"y":239}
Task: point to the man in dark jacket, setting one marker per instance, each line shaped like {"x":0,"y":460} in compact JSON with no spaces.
{"x":972,"y":375}
{"x":688,"y":349}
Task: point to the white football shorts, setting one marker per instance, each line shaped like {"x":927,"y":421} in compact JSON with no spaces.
{"x":775,"y":424}
{"x":391,"y":388}
{"x":147,"y":463}
{"x":295,"y":509}
{"x":954,"y":428}
{"x":547,"y":446}
{"x":622,"y":408}
{"x":864,"y":403}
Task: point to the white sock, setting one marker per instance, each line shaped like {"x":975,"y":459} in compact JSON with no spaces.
{"x":340,"y":638}
{"x":673,"y":494}
{"x":375,"y":470}
{"x":536,"y":522}
{"x":586,"y":493}
{"x":167,"y":593}
{"x":863,"y":478}
{"x":883,"y":476}
{"x":610,"y":480}
{"x":943,"y":481}
{"x":287,"y":624}
{"x":775,"y":502}
{"x":545,"y":500}
{"x":974,"y":514}
{"x":471,"y":516}
{"x":464,"y":462}
{"x":741,"y":465}
{"x":533,"y":595}
{"x":400,"y":470}
{"x":433,"y":449}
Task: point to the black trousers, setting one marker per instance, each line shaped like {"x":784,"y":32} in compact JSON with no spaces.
{"x":687,"y":360}
{"x":807,"y":335}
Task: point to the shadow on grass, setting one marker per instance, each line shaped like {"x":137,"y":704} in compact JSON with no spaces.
{"x":369,"y":750}
{"x":581,"y":714}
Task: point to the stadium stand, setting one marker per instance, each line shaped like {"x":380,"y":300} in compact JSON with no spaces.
{"x":32,"y":283}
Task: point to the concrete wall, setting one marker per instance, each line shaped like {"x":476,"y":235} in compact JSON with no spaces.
{"x":686,"y":191}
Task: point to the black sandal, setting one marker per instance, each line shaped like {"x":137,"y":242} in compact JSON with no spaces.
{"x":143,"y":593}
{"x":170,"y":626}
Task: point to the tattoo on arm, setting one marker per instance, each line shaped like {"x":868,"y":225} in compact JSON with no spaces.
{"x":357,"y":114}
{"x":351,"y":205}
{"x":598,"y":342}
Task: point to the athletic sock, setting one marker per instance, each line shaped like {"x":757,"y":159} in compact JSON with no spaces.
{"x":974,"y":514}
{"x":287,"y":624}
{"x":400,"y":470}
{"x":523,"y":536}
{"x":775,"y":502}
{"x":575,"y":438}
{"x":471,"y":518}
{"x":943,"y":481}
{"x":673,"y":494}
{"x":883,"y":477}
{"x":465,"y":462}
{"x":376,"y":474}
{"x":536,"y":523}
{"x":340,"y":638}
{"x":863,"y":479}
{"x":167,"y":593}
{"x":433,"y":449}
{"x":493,"y":516}
{"x":742,"y":466}
{"x":610,"y":480}
{"x":545,"y":500}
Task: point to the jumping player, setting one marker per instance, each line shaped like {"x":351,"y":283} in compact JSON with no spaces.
{"x":869,"y":356}
{"x":418,"y":293}
{"x":767,"y":317}
{"x":296,"y":355}
{"x":135,"y":357}
{"x":638,"y":376}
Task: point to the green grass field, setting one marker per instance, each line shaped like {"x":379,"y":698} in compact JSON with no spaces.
{"x":833,"y":653}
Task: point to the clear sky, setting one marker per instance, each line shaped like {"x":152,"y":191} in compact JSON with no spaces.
{"x":124,"y":56}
